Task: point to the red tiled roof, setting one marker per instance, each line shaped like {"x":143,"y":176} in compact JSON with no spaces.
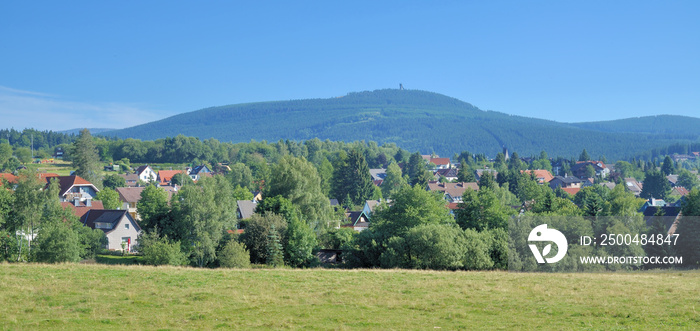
{"x":239,"y":231}
{"x":544,"y":174}
{"x":681,"y":190}
{"x":8,"y":177}
{"x":453,"y":205}
{"x":81,"y":209}
{"x":48,"y":175}
{"x":165,"y":176}
{"x":571,"y":190}
{"x":440,"y":160}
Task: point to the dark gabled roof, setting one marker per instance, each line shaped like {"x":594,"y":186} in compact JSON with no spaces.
{"x":198,"y":169}
{"x":355,"y":218}
{"x":670,"y":216}
{"x":667,"y":211}
{"x":106,"y":216}
{"x":568,"y":179}
{"x":141,"y":169}
{"x":451,"y":172}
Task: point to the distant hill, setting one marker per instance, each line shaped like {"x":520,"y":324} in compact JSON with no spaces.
{"x":661,"y":124}
{"x":92,"y":131}
{"x":418,"y":121}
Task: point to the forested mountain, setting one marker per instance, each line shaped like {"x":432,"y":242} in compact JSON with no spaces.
{"x":673,"y":125}
{"x":418,"y":121}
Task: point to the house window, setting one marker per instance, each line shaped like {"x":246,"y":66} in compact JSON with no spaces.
{"x":103,"y":225}
{"x":126,"y":226}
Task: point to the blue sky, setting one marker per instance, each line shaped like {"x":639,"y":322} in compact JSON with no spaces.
{"x":66,"y":65}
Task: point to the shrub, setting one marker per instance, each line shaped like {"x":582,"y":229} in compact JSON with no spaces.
{"x":234,"y":255}
{"x":160,"y":251}
{"x":55,"y":243}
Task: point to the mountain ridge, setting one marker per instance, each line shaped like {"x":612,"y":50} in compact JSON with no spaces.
{"x":418,"y":120}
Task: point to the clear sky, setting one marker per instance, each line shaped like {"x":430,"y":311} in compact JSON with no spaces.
{"x":71,"y":64}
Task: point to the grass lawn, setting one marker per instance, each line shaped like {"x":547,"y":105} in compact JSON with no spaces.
{"x":137,"y":297}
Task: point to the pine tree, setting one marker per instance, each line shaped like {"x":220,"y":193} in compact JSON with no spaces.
{"x":584,"y":156}
{"x":668,"y":167}
{"x":352,"y":178}
{"x":275,"y":255}
{"x":85,"y":158}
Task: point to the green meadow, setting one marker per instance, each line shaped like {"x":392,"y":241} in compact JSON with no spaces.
{"x":76,"y":296}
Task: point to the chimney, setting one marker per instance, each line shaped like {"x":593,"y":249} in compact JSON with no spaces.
{"x":88,"y":203}
{"x":76,"y":201}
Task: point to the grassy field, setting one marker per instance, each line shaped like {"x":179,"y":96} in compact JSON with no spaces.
{"x":137,"y":297}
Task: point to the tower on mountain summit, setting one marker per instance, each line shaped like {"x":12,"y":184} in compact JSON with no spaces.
{"x":400,"y":86}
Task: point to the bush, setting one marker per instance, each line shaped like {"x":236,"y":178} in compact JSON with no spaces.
{"x":158,"y":250}
{"x":55,"y":243}
{"x":234,"y":255}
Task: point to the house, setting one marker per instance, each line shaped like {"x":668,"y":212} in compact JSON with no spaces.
{"x":73,"y":188}
{"x":565,"y":182}
{"x":480,"y":172}
{"x":357,"y":220}
{"x":377,"y":174}
{"x":58,"y":152}
{"x":165,"y":177}
{"x":121,"y":229}
{"x":246,"y":208}
{"x":453,"y":191}
{"x":608,"y":185}
{"x":441,"y":162}
{"x":579,"y":169}
{"x":571,"y":190}
{"x":672,"y":179}
{"x":257,"y":196}
{"x":652,"y":203}
{"x":145,"y":173}
{"x":371,"y":205}
{"x":198,"y":171}
{"x":130,"y":196}
{"x":542,"y":176}
{"x":633,"y":185}
{"x":449,"y":174}
{"x":557,"y":167}
{"x":669,"y":215}
{"x":10,"y":178}
{"x":132,"y":180}
{"x":679,"y":191}
{"x":80,"y":208}
{"x":587,"y":182}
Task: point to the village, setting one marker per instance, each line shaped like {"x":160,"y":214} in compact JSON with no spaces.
{"x":450,"y":179}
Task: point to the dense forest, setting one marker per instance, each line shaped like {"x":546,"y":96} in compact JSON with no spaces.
{"x":419,"y":121}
